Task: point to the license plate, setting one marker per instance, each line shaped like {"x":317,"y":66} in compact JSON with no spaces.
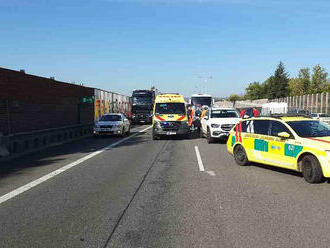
{"x":170,"y":133}
{"x":105,"y":129}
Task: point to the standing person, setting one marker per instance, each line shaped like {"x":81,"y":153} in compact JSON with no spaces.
{"x":204,"y":111}
{"x":242,"y":114}
{"x":190,"y":114}
{"x":255,"y":112}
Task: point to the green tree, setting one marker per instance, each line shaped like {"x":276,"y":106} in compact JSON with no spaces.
{"x":305,"y":78}
{"x":296,"y":87}
{"x":300,"y":86}
{"x":278,"y":84}
{"x":233,"y":98}
{"x":319,"y":80}
{"x":254,"y":91}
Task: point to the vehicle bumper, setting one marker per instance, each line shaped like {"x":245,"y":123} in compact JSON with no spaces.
{"x":218,"y":133}
{"x":183,"y":129}
{"x":101,"y":131}
{"x":141,"y":119}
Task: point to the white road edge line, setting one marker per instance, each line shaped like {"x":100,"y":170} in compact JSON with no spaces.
{"x":40,"y":180}
{"x":199,"y":159}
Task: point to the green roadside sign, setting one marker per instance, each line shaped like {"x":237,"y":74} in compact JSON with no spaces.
{"x":87,"y":99}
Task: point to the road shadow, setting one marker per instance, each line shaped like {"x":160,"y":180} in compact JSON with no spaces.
{"x":277,"y":169}
{"x":65,"y":153}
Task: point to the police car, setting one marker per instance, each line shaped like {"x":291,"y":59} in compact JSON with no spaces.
{"x":295,"y":142}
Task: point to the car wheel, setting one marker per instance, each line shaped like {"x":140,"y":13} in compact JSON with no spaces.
{"x":240,"y":156}
{"x":209,"y":137}
{"x":311,"y":169}
{"x":128,"y":131}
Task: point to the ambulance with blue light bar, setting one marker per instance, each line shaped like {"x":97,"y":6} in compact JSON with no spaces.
{"x":169,"y":116}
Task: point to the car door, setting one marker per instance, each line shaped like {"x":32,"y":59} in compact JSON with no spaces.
{"x":204,"y":122}
{"x":257,"y":136}
{"x":283,"y":152}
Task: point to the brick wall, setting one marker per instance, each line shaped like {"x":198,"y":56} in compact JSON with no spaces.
{"x":30,"y":103}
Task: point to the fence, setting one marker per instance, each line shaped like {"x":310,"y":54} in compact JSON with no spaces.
{"x":15,"y":145}
{"x":313,"y":103}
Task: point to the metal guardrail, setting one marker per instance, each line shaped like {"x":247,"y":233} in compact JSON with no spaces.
{"x":24,"y":143}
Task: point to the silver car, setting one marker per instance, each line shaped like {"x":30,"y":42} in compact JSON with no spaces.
{"x":114,"y":123}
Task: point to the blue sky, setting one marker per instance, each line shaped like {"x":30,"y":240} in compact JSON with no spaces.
{"x":120,"y":45}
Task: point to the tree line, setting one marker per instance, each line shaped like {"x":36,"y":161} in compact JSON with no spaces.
{"x":281,"y":85}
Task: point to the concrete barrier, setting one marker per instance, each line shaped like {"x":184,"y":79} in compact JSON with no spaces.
{"x":20,"y":144}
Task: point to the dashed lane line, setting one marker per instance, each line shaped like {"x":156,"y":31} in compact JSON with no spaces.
{"x":50,"y":175}
{"x":199,"y":159}
{"x":200,"y":163}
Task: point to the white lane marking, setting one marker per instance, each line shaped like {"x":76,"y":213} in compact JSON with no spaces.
{"x":199,"y":159}
{"x":40,"y":180}
{"x":211,"y":173}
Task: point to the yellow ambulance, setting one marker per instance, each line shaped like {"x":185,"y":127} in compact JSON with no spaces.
{"x":169,"y":116}
{"x":293,"y":142}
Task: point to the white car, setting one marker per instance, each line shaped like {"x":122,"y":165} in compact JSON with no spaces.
{"x":114,"y":123}
{"x":325,"y":118}
{"x":217,"y":123}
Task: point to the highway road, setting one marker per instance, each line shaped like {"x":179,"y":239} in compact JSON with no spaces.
{"x":137,"y":192}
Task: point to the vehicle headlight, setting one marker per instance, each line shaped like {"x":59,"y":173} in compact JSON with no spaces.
{"x":215,"y":125}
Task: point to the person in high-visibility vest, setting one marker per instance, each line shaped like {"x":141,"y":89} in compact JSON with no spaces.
{"x":190,"y":116}
{"x":204,"y":112}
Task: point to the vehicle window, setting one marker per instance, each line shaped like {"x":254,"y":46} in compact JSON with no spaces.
{"x":201,"y":101}
{"x":207,"y":113}
{"x":224,"y":114}
{"x":142,"y":100}
{"x":324,"y":115}
{"x":244,"y":126}
{"x":261,"y":127}
{"x":310,"y":128}
{"x":278,"y":127}
{"x":313,"y":115}
{"x":111,"y":118}
{"x":170,"y":108}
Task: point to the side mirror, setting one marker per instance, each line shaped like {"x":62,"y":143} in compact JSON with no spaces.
{"x":206,"y":117}
{"x":283,"y":135}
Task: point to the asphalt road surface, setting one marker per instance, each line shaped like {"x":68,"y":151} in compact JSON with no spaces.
{"x":143,"y":193}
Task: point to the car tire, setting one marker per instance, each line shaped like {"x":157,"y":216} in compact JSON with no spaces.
{"x":311,"y":169}
{"x":128,"y":131}
{"x":240,"y":156}
{"x":209,"y":137}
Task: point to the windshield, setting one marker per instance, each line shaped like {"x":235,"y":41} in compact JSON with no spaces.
{"x":224,"y":114}
{"x":110,"y":118}
{"x":310,"y":128}
{"x":201,"y":101}
{"x":142,"y":100}
{"x":170,"y":108}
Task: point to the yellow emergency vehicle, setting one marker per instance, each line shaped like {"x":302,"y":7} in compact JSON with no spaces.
{"x":169,"y":116}
{"x":293,"y":142}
